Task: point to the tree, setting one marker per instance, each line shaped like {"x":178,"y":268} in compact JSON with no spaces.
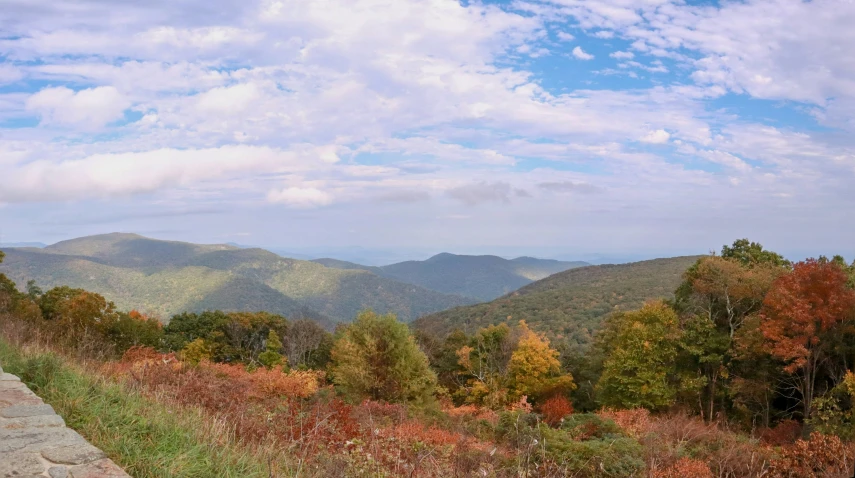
{"x":640,"y":349}
{"x":752,"y":253}
{"x":534,"y":370}
{"x":33,"y":289}
{"x":306,"y":344}
{"x":271,"y":357}
{"x":376,"y":357}
{"x":799,"y":316}
{"x":717,"y":296}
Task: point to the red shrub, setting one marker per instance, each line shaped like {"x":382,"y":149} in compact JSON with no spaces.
{"x":821,"y":456}
{"x":785,"y":433}
{"x":555,"y":409}
{"x":684,"y":468}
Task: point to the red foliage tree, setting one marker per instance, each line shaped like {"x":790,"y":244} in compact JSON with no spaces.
{"x":555,"y":409}
{"x":799,"y":312}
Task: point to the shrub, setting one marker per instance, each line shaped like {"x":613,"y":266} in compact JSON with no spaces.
{"x":684,"y":468}
{"x":634,"y":422}
{"x":820,"y":456}
{"x":555,"y":409}
{"x":586,"y":426}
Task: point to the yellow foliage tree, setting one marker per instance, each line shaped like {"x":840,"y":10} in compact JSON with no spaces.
{"x":534,"y":370}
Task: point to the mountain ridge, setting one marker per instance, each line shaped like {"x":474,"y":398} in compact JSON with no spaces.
{"x":168,"y":277}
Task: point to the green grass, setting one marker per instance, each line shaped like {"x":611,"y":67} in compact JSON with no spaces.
{"x":146,"y":438}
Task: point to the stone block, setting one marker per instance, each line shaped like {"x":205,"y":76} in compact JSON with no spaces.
{"x":8,"y":377}
{"x":27,"y":440}
{"x":20,"y":464}
{"x":58,"y":472}
{"x":98,"y":469}
{"x":73,"y":455}
{"x":16,"y":411}
{"x":42,"y":421}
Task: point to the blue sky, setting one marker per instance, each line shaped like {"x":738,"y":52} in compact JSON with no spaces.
{"x":564,"y":127}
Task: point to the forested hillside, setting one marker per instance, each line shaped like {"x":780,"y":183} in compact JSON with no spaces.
{"x":572,"y":304}
{"x":164,"y":278}
{"x":480,"y":277}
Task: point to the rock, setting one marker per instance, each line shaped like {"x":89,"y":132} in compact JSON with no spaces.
{"x":20,"y":464}
{"x":16,"y":411}
{"x":8,"y":377}
{"x":42,"y":421}
{"x":73,"y":455}
{"x":36,"y":439}
{"x":58,"y":472}
{"x":99,"y":469}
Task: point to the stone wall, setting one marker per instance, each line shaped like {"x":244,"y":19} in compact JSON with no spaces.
{"x":34,"y":440}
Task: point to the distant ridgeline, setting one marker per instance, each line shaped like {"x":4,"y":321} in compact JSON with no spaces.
{"x":163,"y":278}
{"x":569,"y":305}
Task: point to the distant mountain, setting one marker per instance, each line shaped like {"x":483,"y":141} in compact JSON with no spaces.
{"x":479,"y":277}
{"x":167,"y":277}
{"x":569,"y":305}
{"x":37,"y":245}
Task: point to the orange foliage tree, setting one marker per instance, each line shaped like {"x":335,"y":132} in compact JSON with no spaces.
{"x":799,"y":313}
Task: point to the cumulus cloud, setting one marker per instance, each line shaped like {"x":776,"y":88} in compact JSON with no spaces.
{"x":85,"y":109}
{"x":104,"y":175}
{"x":660,"y":136}
{"x":300,"y":197}
{"x":622,"y":55}
{"x":579,"y":53}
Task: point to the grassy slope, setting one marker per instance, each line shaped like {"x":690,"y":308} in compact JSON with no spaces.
{"x":165,"y":277}
{"x":141,"y":435}
{"x":570,"y":304}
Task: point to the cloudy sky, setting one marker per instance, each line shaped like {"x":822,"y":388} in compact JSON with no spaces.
{"x":577,"y":126}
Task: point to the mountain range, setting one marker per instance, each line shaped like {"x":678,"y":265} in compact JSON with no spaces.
{"x":569,"y":305}
{"x":479,"y":277}
{"x":167,"y":277}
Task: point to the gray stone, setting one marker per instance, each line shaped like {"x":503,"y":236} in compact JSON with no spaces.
{"x":17,"y":411}
{"x":41,"y":421}
{"x":36,"y":439}
{"x":8,"y":377}
{"x":58,"y":472}
{"x":20,"y":464}
{"x":99,"y":469}
{"x":73,"y":455}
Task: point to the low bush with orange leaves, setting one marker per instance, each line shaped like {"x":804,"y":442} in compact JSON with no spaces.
{"x":821,"y":456}
{"x":684,"y":468}
{"x":634,"y":422}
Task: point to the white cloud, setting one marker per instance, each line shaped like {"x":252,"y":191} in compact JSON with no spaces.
{"x":660,"y":136}
{"x":564,"y":36}
{"x":91,"y":108}
{"x":622,"y":55}
{"x":579,"y":53}
{"x":300,"y":197}
{"x":604,"y":34}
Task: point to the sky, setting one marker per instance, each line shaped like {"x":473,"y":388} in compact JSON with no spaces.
{"x":548,"y":128}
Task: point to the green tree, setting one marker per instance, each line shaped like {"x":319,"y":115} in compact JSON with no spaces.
{"x":752,"y":253}
{"x":377,"y":357}
{"x":271,"y":357}
{"x":641,"y":348}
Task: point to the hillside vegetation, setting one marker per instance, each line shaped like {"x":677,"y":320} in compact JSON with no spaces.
{"x":745,"y":373}
{"x":165,"y":277}
{"x":480,"y":277}
{"x":569,"y":305}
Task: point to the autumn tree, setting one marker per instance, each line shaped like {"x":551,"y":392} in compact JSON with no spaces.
{"x":800,"y":314}
{"x":376,"y":357}
{"x":534,"y":369}
{"x":717,"y":296}
{"x":306,"y":344}
{"x":484,"y":364}
{"x":640,"y":351}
